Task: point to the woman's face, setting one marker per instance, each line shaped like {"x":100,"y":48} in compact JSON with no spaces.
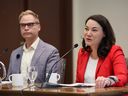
{"x":93,"y":34}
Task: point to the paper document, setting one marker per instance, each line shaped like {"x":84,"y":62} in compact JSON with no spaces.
{"x":6,"y":82}
{"x":71,"y":85}
{"x":78,"y":85}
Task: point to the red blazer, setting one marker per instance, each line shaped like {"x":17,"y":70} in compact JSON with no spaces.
{"x":113,"y":64}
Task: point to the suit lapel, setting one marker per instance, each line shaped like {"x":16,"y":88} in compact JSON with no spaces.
{"x":99,"y":65}
{"x":18,"y":60}
{"x":84,"y":65}
{"x":38,"y":52}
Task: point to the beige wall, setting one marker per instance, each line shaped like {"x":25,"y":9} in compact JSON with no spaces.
{"x":114,"y":10}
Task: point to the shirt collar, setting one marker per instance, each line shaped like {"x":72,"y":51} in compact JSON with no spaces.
{"x":33,"y":46}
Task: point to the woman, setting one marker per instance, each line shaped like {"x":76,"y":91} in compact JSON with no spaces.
{"x":100,"y":61}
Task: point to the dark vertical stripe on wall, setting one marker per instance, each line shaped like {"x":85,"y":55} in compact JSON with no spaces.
{"x":66,"y":36}
{"x":25,"y":5}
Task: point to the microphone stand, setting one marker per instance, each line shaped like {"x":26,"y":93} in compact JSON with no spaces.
{"x":46,"y":83}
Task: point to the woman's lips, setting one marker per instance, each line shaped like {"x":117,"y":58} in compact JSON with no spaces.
{"x":88,"y":39}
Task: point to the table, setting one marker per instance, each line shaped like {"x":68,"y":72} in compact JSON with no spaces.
{"x":8,"y":90}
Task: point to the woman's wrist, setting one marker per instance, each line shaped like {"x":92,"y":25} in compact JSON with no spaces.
{"x":113,"y":79}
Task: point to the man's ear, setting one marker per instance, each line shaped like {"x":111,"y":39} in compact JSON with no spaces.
{"x":39,"y":28}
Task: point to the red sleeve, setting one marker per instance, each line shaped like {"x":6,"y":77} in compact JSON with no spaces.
{"x":119,"y":65}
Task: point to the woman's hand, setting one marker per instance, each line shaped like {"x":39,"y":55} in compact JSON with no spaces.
{"x":102,"y":82}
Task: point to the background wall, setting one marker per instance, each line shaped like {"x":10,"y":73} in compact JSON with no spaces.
{"x":114,"y":10}
{"x":56,"y":27}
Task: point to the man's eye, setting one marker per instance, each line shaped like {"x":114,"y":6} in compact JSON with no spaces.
{"x":30,"y":24}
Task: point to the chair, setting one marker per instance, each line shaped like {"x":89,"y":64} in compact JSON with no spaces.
{"x":61,"y":70}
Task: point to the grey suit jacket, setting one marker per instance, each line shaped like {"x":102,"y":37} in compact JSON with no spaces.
{"x":44,"y":57}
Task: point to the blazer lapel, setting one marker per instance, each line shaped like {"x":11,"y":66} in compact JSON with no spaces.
{"x":84,"y":65}
{"x":38,"y":52}
{"x":18,"y":60}
{"x":99,"y":65}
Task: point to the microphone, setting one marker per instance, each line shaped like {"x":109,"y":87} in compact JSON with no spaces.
{"x":46,"y":84}
{"x":5,"y":50}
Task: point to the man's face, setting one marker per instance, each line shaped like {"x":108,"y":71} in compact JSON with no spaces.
{"x":29,"y":27}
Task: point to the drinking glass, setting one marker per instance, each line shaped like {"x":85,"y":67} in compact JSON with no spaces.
{"x":32,"y":74}
{"x":2,"y":71}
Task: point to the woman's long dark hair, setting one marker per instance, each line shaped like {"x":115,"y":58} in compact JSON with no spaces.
{"x":107,"y":41}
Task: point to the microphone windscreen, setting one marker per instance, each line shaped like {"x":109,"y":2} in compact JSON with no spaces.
{"x":76,"y":45}
{"x":5,"y":50}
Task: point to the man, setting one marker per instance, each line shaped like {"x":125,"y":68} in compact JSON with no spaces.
{"x":34,"y":51}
